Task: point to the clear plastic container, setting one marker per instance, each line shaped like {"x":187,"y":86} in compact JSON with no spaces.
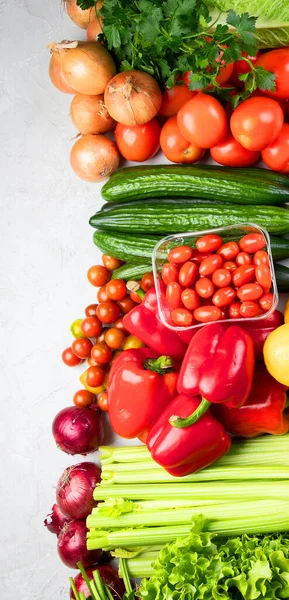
{"x":232,"y":232}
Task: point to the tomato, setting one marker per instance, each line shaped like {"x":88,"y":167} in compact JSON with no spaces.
{"x":170,"y":381}
{"x":116,"y":353}
{"x":90,"y":310}
{"x":91,"y":326}
{"x":244,"y":274}
{"x":263,"y":277}
{"x":95,"y":376}
{"x":276,"y":155}
{"x":102,"y":294}
{"x":83,"y":398}
{"x":82,"y":347}
{"x":224,"y":296}
{"x":182,"y":317}
{"x":100,"y":338}
{"x":116,"y":289}
{"x":235,"y":310}
{"x":76,"y":329}
{"x":188,"y":273}
{"x":205,"y":314}
{"x":266,"y":301}
{"x":210,"y":264}
{"x":98,"y":275}
{"x":209,"y":243}
{"x":170,"y":272}
{"x":125,"y":305}
{"x":174,"y":99}
{"x":101,"y":353}
{"x":190,"y":299}
{"x":230,"y":266}
{"x":252,"y":242}
{"x":277,"y":61}
{"x":132,"y":342}
{"x":69,"y":358}
{"x":204,"y":287}
{"x":108,"y":311}
{"x":260,"y":94}
{"x":147,"y":281}
{"x":256,"y":122}
{"x":115,"y":337}
{"x":250,"y":309}
{"x":102,"y":401}
{"x":135,"y":297}
{"x":261,"y":258}
{"x":119,"y":324}
{"x":229,"y":250}
{"x":203,"y":121}
{"x":111,"y":263}
{"x":250,"y":291}
{"x":198,"y":257}
{"x":175,"y":146}
{"x":93,"y":363}
{"x":241,"y":67}
{"x":243,"y":258}
{"x":180,"y":254}
{"x":173,"y":294}
{"x":231,"y":153}
{"x":138,"y":142}
{"x":221,"y":278}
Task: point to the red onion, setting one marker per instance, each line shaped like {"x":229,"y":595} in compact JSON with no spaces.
{"x":74,"y":492}
{"x":71,"y":545}
{"x":56,"y":520}
{"x":108,"y":575}
{"x":78,"y":430}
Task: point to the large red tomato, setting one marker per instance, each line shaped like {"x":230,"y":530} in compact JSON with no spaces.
{"x":256,"y":122}
{"x":175,"y":147}
{"x":232,"y":154}
{"x":277,"y":61}
{"x":240,"y":67}
{"x":174,"y":99}
{"x":203,"y":121}
{"x":276,"y":156}
{"x":138,"y":142}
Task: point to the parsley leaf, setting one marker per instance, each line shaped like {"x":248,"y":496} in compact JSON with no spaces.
{"x":84,"y":4}
{"x":265,"y":80}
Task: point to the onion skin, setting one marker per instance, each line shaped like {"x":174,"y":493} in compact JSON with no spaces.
{"x":56,"y":520}
{"x":108,"y":575}
{"x":133,"y":98}
{"x":94,"y":157}
{"x":87,"y":67}
{"x":80,"y":17}
{"x":90,"y":115}
{"x":71,"y":546}
{"x":74,"y":491}
{"x":57,"y":76}
{"x":78,"y":430}
{"x":94,"y":29}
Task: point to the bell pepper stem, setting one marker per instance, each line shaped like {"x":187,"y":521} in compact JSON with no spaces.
{"x":176,"y":421}
{"x":162,"y":364}
{"x":134,"y":286}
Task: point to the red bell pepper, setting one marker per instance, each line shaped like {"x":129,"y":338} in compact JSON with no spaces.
{"x":259,"y":331}
{"x":184,"y":451}
{"x":140,"y":386}
{"x":266,"y":410}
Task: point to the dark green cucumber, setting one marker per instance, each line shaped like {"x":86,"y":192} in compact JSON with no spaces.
{"x":282,"y":277}
{"x":279,"y":247}
{"x":132,"y":271}
{"x":169,"y":216}
{"x":195,"y":181}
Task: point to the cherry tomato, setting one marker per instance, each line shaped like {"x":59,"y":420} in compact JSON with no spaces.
{"x":241,"y":67}
{"x":116,"y":353}
{"x":252,"y":242}
{"x":101,"y":353}
{"x":263,"y":277}
{"x":174,"y":99}
{"x":116,"y":289}
{"x":198,"y":257}
{"x":205,"y":314}
{"x":75,"y":328}
{"x":188,"y":273}
{"x":91,"y":326}
{"x":230,"y":266}
{"x":190,"y":299}
{"x":135,"y":297}
{"x":69,"y":358}
{"x":256,"y":122}
{"x":93,"y":363}
{"x":229,"y":250}
{"x":182,"y":317}
{"x":83,"y":398}
{"x":100,"y":338}
{"x":119,"y":324}
{"x":132,"y":342}
{"x":235,"y":310}
{"x":203,"y":121}
{"x":115,"y":337}
{"x":125,"y":305}
{"x":108,"y":311}
{"x":276,"y":155}
{"x":250,"y":291}
{"x":244,"y":258}
{"x":170,"y":272}
{"x":102,"y":294}
{"x":170,"y":381}
{"x":98,"y":275}
{"x":250,"y":309}
{"x":176,"y":147}
{"x":225,"y":313}
{"x":205,"y":287}
{"x":221,"y":278}
{"x":266,"y":301}
{"x":180,"y":254}
{"x":82,"y":347}
{"x":173,"y":294}
{"x":138,"y":142}
{"x":224,"y":296}
{"x":261,"y":258}
{"x":277,"y":61}
{"x":95,"y":376}
{"x":147,"y":281}
{"x":244,"y":274}
{"x":209,"y":243}
{"x":111,"y":263}
{"x":210,"y":264}
{"x":231,"y":153}
{"x":102,"y":401}
{"x":90,"y":310}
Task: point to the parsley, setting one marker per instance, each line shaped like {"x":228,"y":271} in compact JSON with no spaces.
{"x":85,"y":3}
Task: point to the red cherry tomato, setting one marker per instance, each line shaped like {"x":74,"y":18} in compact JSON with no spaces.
{"x":69,"y":358}
{"x":180,"y":254}
{"x":205,"y":314}
{"x":182,"y":317}
{"x":138,"y":142}
{"x":173,"y":294}
{"x":98,"y":275}
{"x":174,"y":99}
{"x":170,"y":381}
{"x":100,"y":338}
{"x":250,"y":309}
{"x":82,"y":347}
{"x":203,"y":121}
{"x":190,"y":299}
{"x":108,"y":311}
{"x":91,"y":326}
{"x":250,"y":291}
{"x":252,"y":242}
{"x":229,"y":251}
{"x":170,"y":273}
{"x":256,"y":122}
{"x":102,"y":401}
{"x":276,"y":155}
{"x":261,"y":258}
{"x":231,"y":153}
{"x":175,"y":147}
{"x":241,"y":67}
{"x":119,"y":324}
{"x":224,"y":296}
{"x":135,"y":297}
{"x":230,"y":266}
{"x":111,"y":263}
{"x":244,"y":274}
{"x":116,"y":289}
{"x":277,"y":61}
{"x":188,"y":274}
{"x":198,"y":257}
{"x":263,"y":277}
{"x":90,"y":310}
{"x":235,"y":310}
{"x":115,"y":337}
{"x":205,"y":287}
{"x":125,"y":305}
{"x":95,"y":376}
{"x":147,"y":281}
{"x":102,"y":294}
{"x":101,"y":353}
{"x":266,"y":301}
{"x":83,"y":398}
{"x":244,"y":258}
{"x":209,"y":243}
{"x":210,"y":264}
{"x":221,"y":278}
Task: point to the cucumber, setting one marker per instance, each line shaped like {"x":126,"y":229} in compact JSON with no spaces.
{"x":132,"y":271}
{"x":196,"y":181}
{"x":171,"y":216}
{"x":282,"y":277}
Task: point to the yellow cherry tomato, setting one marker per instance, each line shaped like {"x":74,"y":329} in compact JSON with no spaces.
{"x":276,"y":354}
{"x":94,"y":390}
{"x":286,"y":312}
{"x":132,"y":342}
{"x":75,"y":329}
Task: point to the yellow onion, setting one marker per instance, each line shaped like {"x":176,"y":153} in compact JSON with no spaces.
{"x":133,"y":97}
{"x":56,"y":75}
{"x":90,"y":115}
{"x":94,"y":29}
{"x":94,"y":157}
{"x":80,"y":17}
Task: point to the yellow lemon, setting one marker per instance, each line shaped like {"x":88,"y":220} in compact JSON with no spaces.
{"x":286,"y":312}
{"x":276,"y":354}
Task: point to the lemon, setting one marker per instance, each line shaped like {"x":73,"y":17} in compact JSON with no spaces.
{"x":286,"y":312}
{"x":276,"y":354}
